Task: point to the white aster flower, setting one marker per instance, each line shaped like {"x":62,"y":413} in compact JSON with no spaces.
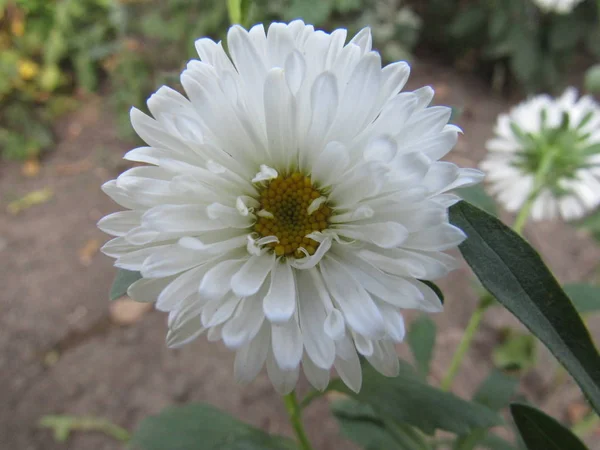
{"x":293,"y":203}
{"x":564,"y":134}
{"x":557,"y":6}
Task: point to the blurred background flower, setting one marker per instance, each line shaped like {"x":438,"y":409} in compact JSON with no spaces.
{"x":546,"y":157}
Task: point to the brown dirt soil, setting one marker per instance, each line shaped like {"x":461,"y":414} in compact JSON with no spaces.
{"x":61,"y":353}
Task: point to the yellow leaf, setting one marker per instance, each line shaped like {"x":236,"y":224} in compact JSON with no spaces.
{"x":29,"y":200}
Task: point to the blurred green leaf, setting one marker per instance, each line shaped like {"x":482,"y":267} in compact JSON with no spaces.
{"x":123,"y":280}
{"x":512,"y":271}
{"x":565,"y":32}
{"x":202,"y":427}
{"x":585,"y":297}
{"x":468,"y":22}
{"x":361,"y":425}
{"x":592,"y":79}
{"x":311,"y":11}
{"x":476,"y":195}
{"x":516,"y":352}
{"x":541,"y":432}
{"x":493,"y":442}
{"x":407,"y":399}
{"x":496,"y":390}
{"x":421,"y":339}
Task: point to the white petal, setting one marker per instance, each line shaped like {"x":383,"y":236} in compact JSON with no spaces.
{"x":280,"y":302}
{"x":147,"y":290}
{"x":359,"y":309}
{"x":119,"y":223}
{"x":283,"y":381}
{"x":249,"y":279}
{"x":319,"y":378}
{"x":287,"y":344}
{"x":245,"y":324}
{"x":250,"y":358}
{"x":217,"y":281}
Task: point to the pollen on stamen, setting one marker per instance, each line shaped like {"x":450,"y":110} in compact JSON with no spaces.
{"x":293,"y":208}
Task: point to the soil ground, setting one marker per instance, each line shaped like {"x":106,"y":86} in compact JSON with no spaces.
{"x":63,"y":352}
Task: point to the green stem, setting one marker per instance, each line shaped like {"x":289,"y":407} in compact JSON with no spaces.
{"x":465,"y":343}
{"x":538,"y":184}
{"x":294,"y":411}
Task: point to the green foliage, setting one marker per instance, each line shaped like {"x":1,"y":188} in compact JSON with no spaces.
{"x":202,"y":427}
{"x":395,"y":27}
{"x":542,"y":432}
{"x":359,"y":423}
{"x":495,"y":393}
{"x":514,"y":273}
{"x":48,"y":48}
{"x":395,"y":399}
{"x":515,"y":352}
{"x":592,"y":79}
{"x":535,"y":47}
{"x":421,"y":339}
{"x":123,"y":280}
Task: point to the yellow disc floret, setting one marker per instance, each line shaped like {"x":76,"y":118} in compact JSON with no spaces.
{"x":285,"y":204}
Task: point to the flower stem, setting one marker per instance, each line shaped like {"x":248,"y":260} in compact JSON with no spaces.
{"x":538,"y":184}
{"x":465,"y":342}
{"x":294,"y":411}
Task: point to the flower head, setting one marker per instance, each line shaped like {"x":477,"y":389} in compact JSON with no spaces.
{"x":557,"y":6}
{"x":551,"y":148}
{"x":292,"y":203}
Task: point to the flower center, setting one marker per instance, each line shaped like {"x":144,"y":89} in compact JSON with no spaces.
{"x":290,"y":209}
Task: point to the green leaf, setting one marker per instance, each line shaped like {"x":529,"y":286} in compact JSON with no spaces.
{"x":511,"y":270}
{"x":565,"y":33}
{"x":493,"y":442}
{"x":585,"y":297}
{"x":592,"y":79}
{"x":311,"y":11}
{"x":123,"y":280}
{"x":359,"y":423}
{"x":496,"y":390}
{"x":495,"y":393}
{"x":541,"y":432}
{"x":202,"y":427}
{"x":476,"y":195}
{"x":407,"y":399}
{"x":468,"y":22}
{"x":421,"y":339}
{"x":516,"y":352}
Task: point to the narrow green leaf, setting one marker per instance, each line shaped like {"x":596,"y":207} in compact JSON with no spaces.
{"x":476,"y":195}
{"x":511,"y":270}
{"x":585,"y":297}
{"x":123,"y":280}
{"x":421,"y":339}
{"x":407,"y":399}
{"x":202,"y":427}
{"x":541,"y":432}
